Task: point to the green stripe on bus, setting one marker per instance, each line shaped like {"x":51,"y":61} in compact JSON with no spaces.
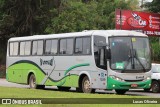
{"x":75,"y":66}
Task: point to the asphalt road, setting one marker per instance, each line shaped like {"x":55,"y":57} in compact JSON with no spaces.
{"x":139,"y":92}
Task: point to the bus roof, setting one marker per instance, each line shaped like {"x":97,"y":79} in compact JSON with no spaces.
{"x":83,"y":33}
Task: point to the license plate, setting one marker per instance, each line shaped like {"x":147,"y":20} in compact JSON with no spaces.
{"x":134,"y":85}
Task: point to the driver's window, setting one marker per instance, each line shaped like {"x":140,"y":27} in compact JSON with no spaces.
{"x":99,"y":51}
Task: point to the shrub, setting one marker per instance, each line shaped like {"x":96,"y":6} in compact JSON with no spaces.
{"x":2,"y":71}
{"x":155,"y":52}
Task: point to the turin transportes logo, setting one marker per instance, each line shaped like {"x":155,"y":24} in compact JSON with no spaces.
{"x":137,"y":21}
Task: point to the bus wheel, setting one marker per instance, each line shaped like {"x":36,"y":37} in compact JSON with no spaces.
{"x":63,"y":88}
{"x":40,"y":86}
{"x":86,"y":86}
{"x":79,"y":89}
{"x":32,"y":81}
{"x":155,"y":87}
{"x":121,"y":91}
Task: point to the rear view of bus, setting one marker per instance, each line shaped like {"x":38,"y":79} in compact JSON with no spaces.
{"x":128,"y":61}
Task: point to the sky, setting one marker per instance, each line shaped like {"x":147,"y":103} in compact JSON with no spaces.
{"x":149,"y":0}
{"x":140,"y":1}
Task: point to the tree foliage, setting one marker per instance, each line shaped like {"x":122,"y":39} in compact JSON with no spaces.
{"x":153,"y":6}
{"x":30,"y":17}
{"x":24,"y":17}
{"x":74,"y":15}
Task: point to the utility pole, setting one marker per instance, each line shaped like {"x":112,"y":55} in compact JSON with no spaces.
{"x":141,"y":5}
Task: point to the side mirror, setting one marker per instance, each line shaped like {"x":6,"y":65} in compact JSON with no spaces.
{"x":108,"y":53}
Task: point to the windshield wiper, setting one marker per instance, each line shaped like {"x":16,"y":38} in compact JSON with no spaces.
{"x":135,"y":56}
{"x":129,"y":57}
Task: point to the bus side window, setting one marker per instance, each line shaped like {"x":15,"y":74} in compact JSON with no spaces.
{"x":40,"y":47}
{"x":11,"y":48}
{"x":34,"y":48}
{"x":83,"y":45}
{"x":37,"y":47}
{"x":48,"y":47}
{"x":51,"y":47}
{"x":78,"y":46}
{"x":69,"y":46}
{"x":27,"y":48}
{"x":87,"y":45}
{"x":14,"y":46}
{"x":54,"y":47}
{"x":22,"y":47}
{"x":66,"y":46}
{"x":63,"y":43}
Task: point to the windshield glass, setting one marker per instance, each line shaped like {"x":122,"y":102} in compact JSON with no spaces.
{"x":130,"y":53}
{"x":156,"y":68}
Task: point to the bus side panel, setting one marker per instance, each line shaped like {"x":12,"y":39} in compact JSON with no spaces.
{"x":14,"y":73}
{"x":19,"y":72}
{"x":70,"y":81}
{"x":32,"y":69}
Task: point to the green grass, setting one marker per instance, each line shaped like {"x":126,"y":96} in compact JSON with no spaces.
{"x":33,"y":93}
{"x":6,"y":92}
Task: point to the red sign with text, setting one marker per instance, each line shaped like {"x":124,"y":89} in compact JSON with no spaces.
{"x":147,"y":23}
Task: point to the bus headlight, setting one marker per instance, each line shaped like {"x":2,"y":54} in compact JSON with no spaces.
{"x":116,"y":78}
{"x":148,"y":78}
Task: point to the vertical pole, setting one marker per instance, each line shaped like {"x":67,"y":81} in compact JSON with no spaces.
{"x":120,"y":20}
{"x":141,"y":5}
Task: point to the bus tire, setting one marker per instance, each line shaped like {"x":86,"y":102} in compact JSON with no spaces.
{"x":79,"y":89}
{"x":86,"y":86}
{"x":121,"y":91}
{"x":32,"y":81}
{"x":40,"y":87}
{"x":155,"y":87}
{"x":61,"y":88}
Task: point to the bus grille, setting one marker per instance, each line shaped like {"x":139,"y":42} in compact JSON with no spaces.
{"x":133,"y":80}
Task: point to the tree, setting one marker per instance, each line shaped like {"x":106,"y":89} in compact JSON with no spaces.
{"x":79,"y":15}
{"x":153,"y":6}
{"x":25,"y":17}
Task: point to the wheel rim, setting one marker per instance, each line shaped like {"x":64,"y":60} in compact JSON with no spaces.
{"x":33,"y":82}
{"x":155,"y":87}
{"x":87,"y":85}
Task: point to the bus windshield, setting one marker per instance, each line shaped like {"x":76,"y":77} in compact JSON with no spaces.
{"x":130,"y":53}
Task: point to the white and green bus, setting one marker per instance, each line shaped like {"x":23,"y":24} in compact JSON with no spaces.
{"x":88,"y":60}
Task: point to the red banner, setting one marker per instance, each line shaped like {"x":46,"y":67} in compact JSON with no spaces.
{"x":147,"y":23}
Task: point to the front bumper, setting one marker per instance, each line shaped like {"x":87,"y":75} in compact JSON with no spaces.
{"x":114,"y":84}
